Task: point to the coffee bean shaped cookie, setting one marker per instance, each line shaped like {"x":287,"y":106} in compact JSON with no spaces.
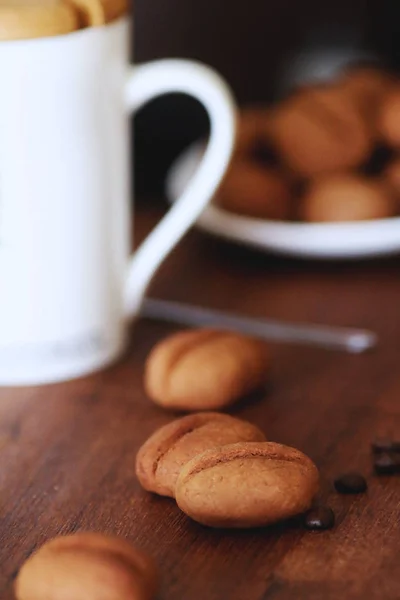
{"x":347,"y":198}
{"x":87,"y":566}
{"x":114,"y":9}
{"x":161,"y":458}
{"x":29,"y":20}
{"x":255,"y":191}
{"x":91,"y":12}
{"x":247,"y":484}
{"x":367,"y":86}
{"x":389,"y":119}
{"x":321,"y":130}
{"x":204,"y":369}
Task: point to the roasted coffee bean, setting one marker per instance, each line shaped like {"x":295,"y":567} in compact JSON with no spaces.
{"x":386,"y":464}
{"x":319,"y":518}
{"x":383,"y":445}
{"x":351,"y":483}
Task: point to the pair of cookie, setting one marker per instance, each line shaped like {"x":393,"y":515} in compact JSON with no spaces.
{"x":223,"y":473}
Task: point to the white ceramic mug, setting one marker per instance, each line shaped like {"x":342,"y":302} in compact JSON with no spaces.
{"x":68,"y":283}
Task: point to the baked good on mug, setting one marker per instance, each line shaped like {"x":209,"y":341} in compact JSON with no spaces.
{"x":321,"y":130}
{"x":347,"y":197}
{"x":95,"y":13}
{"x":91,"y":12}
{"x":253,"y":190}
{"x":30,"y":19}
{"x":87,"y":566}
{"x":161,"y":458}
{"x":113,"y":9}
{"x":248,"y":484}
{"x":204,"y":369}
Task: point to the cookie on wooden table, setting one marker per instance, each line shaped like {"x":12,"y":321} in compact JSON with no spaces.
{"x":163,"y":455}
{"x":248,"y":484}
{"x":205,"y":369}
{"x":87,"y":566}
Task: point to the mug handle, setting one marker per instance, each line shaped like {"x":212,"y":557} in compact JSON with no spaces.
{"x":144,"y":83}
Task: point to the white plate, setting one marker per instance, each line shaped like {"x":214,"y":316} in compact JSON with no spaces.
{"x":362,"y":239}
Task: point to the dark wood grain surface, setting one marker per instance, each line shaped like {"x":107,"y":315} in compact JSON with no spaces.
{"x":67,"y":451}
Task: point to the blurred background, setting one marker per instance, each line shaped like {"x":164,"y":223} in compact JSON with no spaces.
{"x":259,"y":47}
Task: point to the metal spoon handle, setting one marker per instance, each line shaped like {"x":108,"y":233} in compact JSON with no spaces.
{"x":338,"y":338}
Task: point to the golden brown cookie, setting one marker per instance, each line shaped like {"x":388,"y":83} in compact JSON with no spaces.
{"x":251,"y":190}
{"x":114,"y":9}
{"x":161,"y":458}
{"x":389,"y":119}
{"x":321,"y":130}
{"x":28,"y":19}
{"x":367,"y":86}
{"x":347,"y":197}
{"x":203,"y":369}
{"x":248,"y":484}
{"x":91,"y":12}
{"x":87,"y":566}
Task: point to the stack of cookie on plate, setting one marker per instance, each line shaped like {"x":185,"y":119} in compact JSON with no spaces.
{"x":326,"y":153}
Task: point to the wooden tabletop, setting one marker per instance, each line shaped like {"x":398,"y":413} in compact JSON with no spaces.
{"x":67,"y":451}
